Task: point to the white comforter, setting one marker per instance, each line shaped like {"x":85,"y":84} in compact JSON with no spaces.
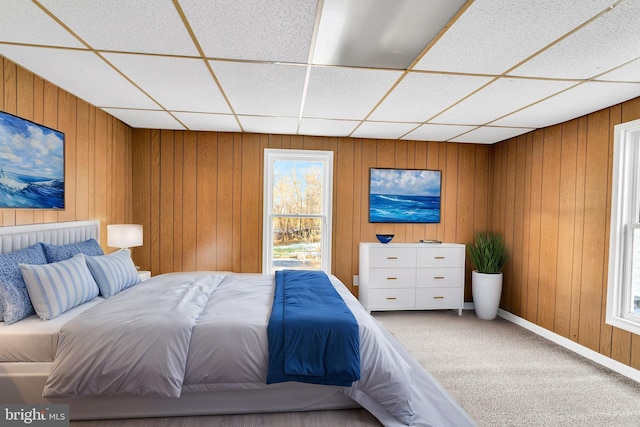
{"x":202,"y":331}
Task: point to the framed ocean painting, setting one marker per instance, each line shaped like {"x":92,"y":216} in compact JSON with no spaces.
{"x":31,"y":164}
{"x":404,"y":195}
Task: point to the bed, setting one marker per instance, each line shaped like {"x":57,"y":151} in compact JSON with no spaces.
{"x":218,"y":358}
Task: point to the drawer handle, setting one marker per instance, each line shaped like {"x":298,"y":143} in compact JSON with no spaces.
{"x":392,"y":278}
{"x":439,"y":257}
{"x":438,"y":277}
{"x":391,"y":298}
{"x":392,"y":257}
{"x":438,"y":297}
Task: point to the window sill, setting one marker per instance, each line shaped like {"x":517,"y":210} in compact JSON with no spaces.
{"x":625,"y":324}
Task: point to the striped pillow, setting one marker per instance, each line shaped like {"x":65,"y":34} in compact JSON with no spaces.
{"x":57,"y":287}
{"x":113,"y":272}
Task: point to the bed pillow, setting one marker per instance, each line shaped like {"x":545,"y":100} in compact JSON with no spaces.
{"x":14,"y":296}
{"x":113,"y":272}
{"x":57,"y":287}
{"x":57,"y":253}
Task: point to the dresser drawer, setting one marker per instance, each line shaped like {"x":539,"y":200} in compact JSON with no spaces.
{"x":392,"y":257}
{"x":440,"y":277}
{"x":392,"y":299}
{"x":440,"y":297}
{"x":392,"y":278}
{"x":435,"y":256}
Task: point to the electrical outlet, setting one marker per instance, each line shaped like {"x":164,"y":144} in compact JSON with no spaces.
{"x":356,"y":280}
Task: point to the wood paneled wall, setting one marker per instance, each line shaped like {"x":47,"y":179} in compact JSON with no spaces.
{"x":551,"y":198}
{"x":97,"y":151}
{"x":199,"y":196}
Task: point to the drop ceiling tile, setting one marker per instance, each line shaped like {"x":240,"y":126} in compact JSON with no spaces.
{"x":499,"y":98}
{"x":494,"y":35}
{"x":385,"y":130}
{"x":176,"y":83}
{"x":608,"y":42}
{"x":379,"y":33}
{"x":262,"y":89}
{"x":627,"y":73}
{"x":430,"y":132}
{"x":211,"y":122}
{"x":145,"y":119}
{"x":575,"y":102}
{"x":326,"y":127}
{"x":253,"y":29}
{"x":24,"y":22}
{"x":490,"y":135}
{"x":275,"y":125}
{"x":346,"y":93}
{"x":420,"y":96}
{"x":81,"y":73}
{"x":127,"y":26}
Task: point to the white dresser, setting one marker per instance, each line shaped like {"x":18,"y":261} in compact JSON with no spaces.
{"x":411,"y":276}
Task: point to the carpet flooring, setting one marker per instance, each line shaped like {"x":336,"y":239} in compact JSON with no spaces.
{"x":504,"y":375}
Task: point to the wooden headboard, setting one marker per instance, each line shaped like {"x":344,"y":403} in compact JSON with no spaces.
{"x":13,"y":238}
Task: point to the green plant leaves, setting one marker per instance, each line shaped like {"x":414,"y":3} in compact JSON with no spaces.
{"x":489,"y":253}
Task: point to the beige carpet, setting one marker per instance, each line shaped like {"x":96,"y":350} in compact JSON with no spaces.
{"x":504,"y":375}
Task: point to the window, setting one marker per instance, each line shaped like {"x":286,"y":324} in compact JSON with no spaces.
{"x":297,"y":210}
{"x":623,"y":295}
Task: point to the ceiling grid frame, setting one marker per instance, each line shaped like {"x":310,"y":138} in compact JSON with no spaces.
{"x":33,"y":44}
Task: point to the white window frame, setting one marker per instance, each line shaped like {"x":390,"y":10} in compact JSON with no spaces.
{"x":271,"y":155}
{"x":625,"y":216}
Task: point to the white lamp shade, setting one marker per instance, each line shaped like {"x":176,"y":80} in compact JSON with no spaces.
{"x":124,"y":235}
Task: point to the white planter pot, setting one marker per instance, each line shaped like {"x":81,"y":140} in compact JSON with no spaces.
{"x":486,"y":290}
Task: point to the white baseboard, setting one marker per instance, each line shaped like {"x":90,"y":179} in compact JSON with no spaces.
{"x":594,"y":356}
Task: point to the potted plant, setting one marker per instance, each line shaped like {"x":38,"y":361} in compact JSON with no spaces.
{"x":488,"y":256}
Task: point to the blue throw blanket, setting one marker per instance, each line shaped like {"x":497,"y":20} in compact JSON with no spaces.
{"x":313,"y":336}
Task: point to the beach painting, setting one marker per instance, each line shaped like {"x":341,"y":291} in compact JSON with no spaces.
{"x":31,"y":165}
{"x":404,"y":195}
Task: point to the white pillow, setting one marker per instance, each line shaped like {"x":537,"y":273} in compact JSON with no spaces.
{"x":114,"y":272}
{"x":57,"y":287}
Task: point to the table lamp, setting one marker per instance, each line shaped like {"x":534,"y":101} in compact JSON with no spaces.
{"x":124,"y":235}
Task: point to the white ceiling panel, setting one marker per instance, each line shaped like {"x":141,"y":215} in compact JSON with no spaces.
{"x":494,"y":35}
{"x":82,"y":73}
{"x":159,"y":76}
{"x":262,"y":89}
{"x":213,"y":122}
{"x":608,"y":42}
{"x":346,"y":93}
{"x":627,"y":73}
{"x":429,"y":132}
{"x":257,"y":124}
{"x":253,"y":29}
{"x":145,"y":119}
{"x":497,"y":99}
{"x":420,"y":96}
{"x":384,"y":130}
{"x":575,"y":102}
{"x":490,"y":135}
{"x":150,"y":26}
{"x":324,"y":127}
{"x":412,"y":69}
{"x":24,"y":22}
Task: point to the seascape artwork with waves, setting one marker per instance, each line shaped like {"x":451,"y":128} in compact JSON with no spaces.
{"x":28,"y":191}
{"x":400,"y":208}
{"x":404,"y":195}
{"x":31,"y":164}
